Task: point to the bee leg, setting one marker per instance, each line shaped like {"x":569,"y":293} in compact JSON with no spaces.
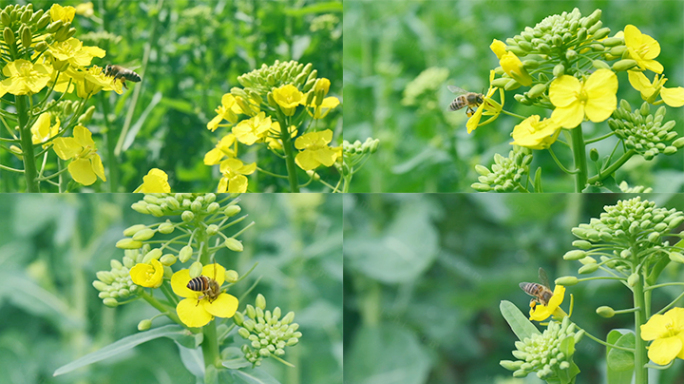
{"x":123,"y":82}
{"x":470,"y":112}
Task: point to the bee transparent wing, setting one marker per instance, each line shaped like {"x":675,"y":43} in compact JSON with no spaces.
{"x":543,"y":278}
{"x":457,"y":90}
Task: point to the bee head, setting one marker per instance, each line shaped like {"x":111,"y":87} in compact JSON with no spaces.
{"x":480,"y":98}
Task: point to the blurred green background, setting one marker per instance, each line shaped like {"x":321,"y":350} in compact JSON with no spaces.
{"x":51,"y":247}
{"x":424,"y":147}
{"x":190,"y":53}
{"x":424,"y":276}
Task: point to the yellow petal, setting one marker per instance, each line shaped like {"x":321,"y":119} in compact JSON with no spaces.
{"x":307,"y":160}
{"x":498,"y":47}
{"x":641,"y":83}
{"x":213,"y":157}
{"x":654,"y":66}
{"x":82,"y":171}
{"x":570,"y":116}
{"x":655,"y":327}
{"x":557,"y":298}
{"x":601,"y":82}
{"x":653,"y":47}
{"x":192,"y":314}
{"x":599,"y":109}
{"x":223,"y":185}
{"x":674,"y":97}
{"x":66,"y":147}
{"x":225,"y":305}
{"x":83,"y":136}
{"x":325,"y":156}
{"x":247,"y":169}
{"x":237,"y":184}
{"x":148,"y":275}
{"x":564,"y":91}
{"x":98,"y":168}
{"x":664,"y":350}
{"x":677,"y":316}
{"x":214,"y":123}
{"x":632,"y":36}
{"x":474,"y":120}
{"x":156,"y":181}
{"x":219,"y":275}
{"x":179,"y":284}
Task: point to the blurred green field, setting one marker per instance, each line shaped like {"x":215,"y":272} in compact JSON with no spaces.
{"x":51,"y":247}
{"x":425,"y":148}
{"x":189,"y":54}
{"x":424,"y":276}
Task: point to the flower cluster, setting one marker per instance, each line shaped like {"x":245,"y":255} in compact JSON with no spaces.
{"x":271,"y":109}
{"x":569,"y":65}
{"x":644,"y":132}
{"x":507,"y":172}
{"x":548,"y":354}
{"x":421,"y":90}
{"x":268,"y":334}
{"x":116,"y":284}
{"x":41,"y":54}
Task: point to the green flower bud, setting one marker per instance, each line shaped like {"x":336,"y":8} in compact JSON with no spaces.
{"x":581,"y":244}
{"x":613,"y":41}
{"x":168,"y":260}
{"x":8,"y":35}
{"x":232,"y":276}
{"x":676,"y":257}
{"x":244,"y":333}
{"x":154,"y":254}
{"x":601,"y":33}
{"x":567,"y":281}
{"x":26,"y":38}
{"x":575,"y":254}
{"x":187,"y":216}
{"x":511,"y":85}
{"x":234,"y":244}
{"x":100,"y":286}
{"x":605,"y":311}
{"x":594,"y":154}
{"x":288,"y":318}
{"x":185,"y":254}
{"x":166,"y":228}
{"x":571,"y":54}
{"x":128,"y":244}
{"x":633,"y":279}
{"x":501,"y":82}
{"x":155,"y":210}
{"x":251,"y":312}
{"x":588,"y":260}
{"x":212,"y":229}
{"x":587,"y":269}
{"x":195,"y":269}
{"x":559,"y":70}
{"x":260,"y":302}
{"x":110,"y":302}
{"x":213,"y":207}
{"x":511,"y":365}
{"x":536,"y":91}
{"x":144,"y":234}
{"x":196,"y":206}
{"x":5,"y":18}
{"x":144,"y":325}
{"x":618,"y":51}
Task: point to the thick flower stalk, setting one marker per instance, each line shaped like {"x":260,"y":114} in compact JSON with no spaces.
{"x":277,"y":106}
{"x":568,"y":65}
{"x":42,"y":55}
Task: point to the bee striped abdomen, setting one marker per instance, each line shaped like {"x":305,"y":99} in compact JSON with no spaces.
{"x":199,"y":284}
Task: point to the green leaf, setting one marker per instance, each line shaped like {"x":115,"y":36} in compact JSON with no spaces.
{"x":192,"y":360}
{"x":251,"y":376}
{"x":620,"y":363}
{"x":518,"y":322}
{"x":121,"y":346}
{"x":537,"y":181}
{"x":567,"y":346}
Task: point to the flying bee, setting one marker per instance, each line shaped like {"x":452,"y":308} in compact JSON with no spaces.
{"x":121,"y":73}
{"x":541,"y":293}
{"x":465,"y":99}
{"x":208,"y":286}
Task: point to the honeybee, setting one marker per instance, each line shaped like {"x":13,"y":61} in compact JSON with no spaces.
{"x":541,"y":293}
{"x":465,"y":99}
{"x":121,"y":73}
{"x":208,"y":286}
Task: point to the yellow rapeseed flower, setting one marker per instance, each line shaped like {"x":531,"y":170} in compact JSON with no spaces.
{"x":41,"y":131}
{"x":488,"y":108}
{"x":195,"y":312}
{"x":233,"y":180}
{"x":73,"y":52}
{"x":85,"y":9}
{"x":315,"y":150}
{"x":510,"y":63}
{"x":327,"y":105}
{"x":674,"y":97}
{"x":542,"y":312}
{"x":643,"y":49}
{"x":66,"y":14}
{"x":226,"y":111}
{"x":573,"y":99}
{"x":252,"y":130}
{"x":288,"y":98}
{"x":226,"y":147}
{"x":25,"y":78}
{"x":534,"y":133}
{"x":667,"y":333}
{"x":148,"y":275}
{"x":156,"y":181}
{"x":86,"y":165}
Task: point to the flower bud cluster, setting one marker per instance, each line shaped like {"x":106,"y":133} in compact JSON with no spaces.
{"x":261,"y":81}
{"x":426,"y":84}
{"x":629,"y":222}
{"x":565,"y":34}
{"x":172,"y":204}
{"x":268,"y":334}
{"x":355,"y":155}
{"x":645,"y":132}
{"x":22,"y":27}
{"x":506,"y":173}
{"x":625,"y":188}
{"x":547,"y":354}
{"x":116,"y":284}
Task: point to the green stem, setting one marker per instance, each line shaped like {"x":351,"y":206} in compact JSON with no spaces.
{"x":170,"y":312}
{"x":613,"y":167}
{"x":210,"y":348}
{"x":596,"y":339}
{"x":63,"y":181}
{"x":30,"y":171}
{"x":558,"y":162}
{"x":579,"y":153}
{"x":640,"y":352}
{"x":512,"y":114}
{"x":289,"y":157}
